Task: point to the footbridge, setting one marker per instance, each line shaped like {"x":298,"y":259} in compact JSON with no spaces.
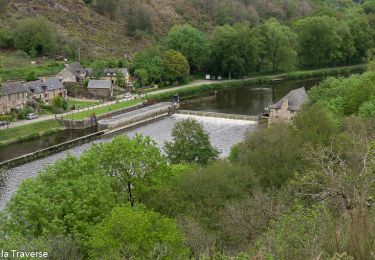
{"x":217,"y":115}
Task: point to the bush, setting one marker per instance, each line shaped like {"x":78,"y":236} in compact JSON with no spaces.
{"x":35,"y":36}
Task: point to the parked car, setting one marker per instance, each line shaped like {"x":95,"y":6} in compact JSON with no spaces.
{"x":127,"y":95}
{"x":31,"y":116}
{"x":3,"y":123}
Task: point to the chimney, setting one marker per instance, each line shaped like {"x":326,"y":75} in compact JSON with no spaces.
{"x":44,"y":79}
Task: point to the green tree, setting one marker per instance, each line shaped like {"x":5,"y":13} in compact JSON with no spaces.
{"x":233,"y":50}
{"x":362,"y":33}
{"x":136,"y":233}
{"x":66,"y":198}
{"x":57,"y":102}
{"x":279,"y":44}
{"x":274,"y":153}
{"x":31,"y":76}
{"x":191,"y":144}
{"x":368,"y":108}
{"x":175,"y":65}
{"x":324,"y":41}
{"x":150,"y":60}
{"x":142,"y":76}
{"x":120,"y":81}
{"x":190,"y":42}
{"x":35,"y":35}
{"x":132,"y":164}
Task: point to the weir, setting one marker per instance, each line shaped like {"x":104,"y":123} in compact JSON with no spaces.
{"x":218,"y":115}
{"x":136,"y":117}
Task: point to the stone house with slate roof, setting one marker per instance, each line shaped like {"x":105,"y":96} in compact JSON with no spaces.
{"x":288,"y":106}
{"x":46,"y":89}
{"x":14,"y":95}
{"x":111,"y":73}
{"x":100,"y":88}
{"x":73,"y":72}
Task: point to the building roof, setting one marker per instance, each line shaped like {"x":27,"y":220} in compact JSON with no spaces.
{"x":296,"y":98}
{"x":9,"y":88}
{"x":76,"y":68}
{"x":124,"y":71}
{"x":89,"y":72}
{"x":40,"y":86}
{"x":99,"y":84}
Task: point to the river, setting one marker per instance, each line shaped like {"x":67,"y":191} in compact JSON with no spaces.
{"x":224,"y":133}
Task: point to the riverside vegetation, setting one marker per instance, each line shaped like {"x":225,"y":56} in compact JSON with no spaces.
{"x":289,"y":191}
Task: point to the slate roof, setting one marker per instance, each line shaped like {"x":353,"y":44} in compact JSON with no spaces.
{"x":89,"y":72}
{"x":124,"y":71}
{"x":296,"y":98}
{"x":76,"y":68}
{"x":40,"y":86}
{"x":99,"y":84}
{"x":9,"y":88}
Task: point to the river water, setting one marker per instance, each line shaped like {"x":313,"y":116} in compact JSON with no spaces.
{"x":224,"y":133}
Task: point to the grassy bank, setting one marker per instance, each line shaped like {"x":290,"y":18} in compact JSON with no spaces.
{"x":81,"y":103}
{"x":28,"y":132}
{"x":103,"y":110}
{"x":296,"y":75}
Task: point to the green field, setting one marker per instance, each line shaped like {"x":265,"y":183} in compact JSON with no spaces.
{"x":29,"y":131}
{"x":103,"y":110}
{"x":17,"y":66}
{"x":81,"y":103}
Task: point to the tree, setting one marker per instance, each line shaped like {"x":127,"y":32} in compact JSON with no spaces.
{"x":190,"y":42}
{"x":132,"y":164}
{"x":274,"y":153}
{"x":191,"y":144}
{"x":279,"y":44}
{"x":175,"y":65}
{"x":35,"y":35}
{"x":31,"y":76}
{"x":149,"y":60}
{"x":324,"y":41}
{"x":120,"y":79}
{"x":136,"y":233}
{"x":57,"y":102}
{"x":142,"y":76}
{"x":233,"y":50}
{"x":66,"y":198}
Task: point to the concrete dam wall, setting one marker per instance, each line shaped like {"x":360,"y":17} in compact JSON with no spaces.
{"x":136,"y":117}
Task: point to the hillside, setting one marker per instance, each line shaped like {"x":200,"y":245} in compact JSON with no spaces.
{"x":115,"y":26}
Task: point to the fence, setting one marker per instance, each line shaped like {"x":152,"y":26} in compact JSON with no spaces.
{"x":92,"y":107}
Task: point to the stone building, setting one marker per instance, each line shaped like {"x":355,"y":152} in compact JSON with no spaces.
{"x":111,"y":74}
{"x":288,"y":106}
{"x":46,"y":89}
{"x":100,"y":88}
{"x":13,"y":95}
{"x":73,"y":72}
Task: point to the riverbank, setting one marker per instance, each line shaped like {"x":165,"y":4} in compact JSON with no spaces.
{"x":28,"y":132}
{"x":190,"y":89}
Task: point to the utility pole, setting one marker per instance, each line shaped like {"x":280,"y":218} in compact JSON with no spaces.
{"x":79,"y":54}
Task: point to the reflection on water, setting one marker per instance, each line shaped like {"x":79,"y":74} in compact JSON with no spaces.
{"x":16,"y":150}
{"x":224,"y":133}
{"x":249,"y":100}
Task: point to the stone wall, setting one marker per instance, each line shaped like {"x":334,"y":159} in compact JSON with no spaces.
{"x":51,"y":150}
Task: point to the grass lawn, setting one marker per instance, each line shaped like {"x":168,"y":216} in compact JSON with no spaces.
{"x":29,"y":131}
{"x":103,"y":110}
{"x":80,"y":103}
{"x":17,"y":65}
